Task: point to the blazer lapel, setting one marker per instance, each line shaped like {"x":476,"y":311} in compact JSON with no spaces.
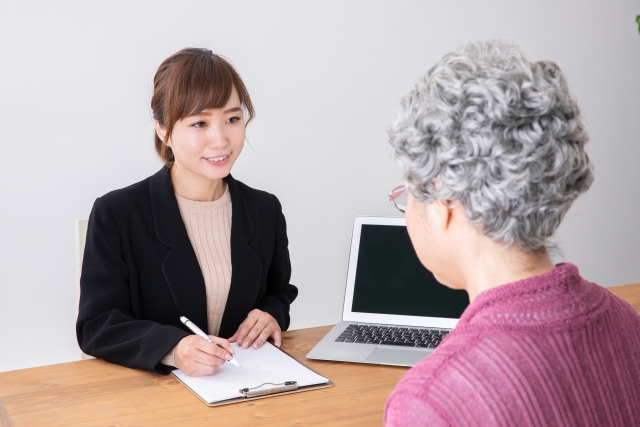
{"x":246,"y":264}
{"x":180,"y":265}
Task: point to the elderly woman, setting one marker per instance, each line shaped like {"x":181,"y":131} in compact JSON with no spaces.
{"x":493,"y":152}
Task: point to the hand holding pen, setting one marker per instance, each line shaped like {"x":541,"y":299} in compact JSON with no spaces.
{"x":200,"y":355}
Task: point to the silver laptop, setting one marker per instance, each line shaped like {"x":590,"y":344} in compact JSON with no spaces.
{"x":395,"y":311}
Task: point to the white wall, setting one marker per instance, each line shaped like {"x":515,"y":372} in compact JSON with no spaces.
{"x":326,"y":78}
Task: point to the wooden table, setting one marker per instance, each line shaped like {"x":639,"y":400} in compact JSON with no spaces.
{"x":96,"y":393}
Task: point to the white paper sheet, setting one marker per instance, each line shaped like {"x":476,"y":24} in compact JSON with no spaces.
{"x":265,"y":365}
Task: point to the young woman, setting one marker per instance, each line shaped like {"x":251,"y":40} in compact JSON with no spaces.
{"x":189,"y":240}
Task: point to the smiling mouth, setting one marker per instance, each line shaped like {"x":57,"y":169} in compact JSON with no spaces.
{"x":216,"y":159}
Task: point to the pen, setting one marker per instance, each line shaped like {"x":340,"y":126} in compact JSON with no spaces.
{"x":189,"y":324}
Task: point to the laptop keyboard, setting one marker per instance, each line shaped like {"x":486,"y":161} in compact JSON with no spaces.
{"x":389,"y":335}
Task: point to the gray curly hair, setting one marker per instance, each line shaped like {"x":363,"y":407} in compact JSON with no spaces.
{"x":500,"y":135}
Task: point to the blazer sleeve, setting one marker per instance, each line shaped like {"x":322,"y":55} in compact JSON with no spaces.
{"x":106,"y":327}
{"x":280,"y":293}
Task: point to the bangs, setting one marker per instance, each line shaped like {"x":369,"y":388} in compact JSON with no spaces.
{"x":203,"y":82}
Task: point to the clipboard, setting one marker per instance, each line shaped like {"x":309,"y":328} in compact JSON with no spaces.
{"x":266,"y":372}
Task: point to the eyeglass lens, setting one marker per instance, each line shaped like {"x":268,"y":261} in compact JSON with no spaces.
{"x":400,"y":197}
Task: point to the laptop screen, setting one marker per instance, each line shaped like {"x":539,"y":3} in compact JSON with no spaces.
{"x":391,"y":280}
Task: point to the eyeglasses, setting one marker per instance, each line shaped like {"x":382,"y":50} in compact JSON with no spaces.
{"x":399,"y":197}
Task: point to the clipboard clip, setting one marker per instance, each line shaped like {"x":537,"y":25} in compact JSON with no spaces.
{"x":277,"y":388}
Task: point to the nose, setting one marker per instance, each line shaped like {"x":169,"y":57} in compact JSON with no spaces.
{"x":217,"y":137}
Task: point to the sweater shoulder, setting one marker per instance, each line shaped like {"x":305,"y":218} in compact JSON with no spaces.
{"x":427,"y":371}
{"x":412,"y":402}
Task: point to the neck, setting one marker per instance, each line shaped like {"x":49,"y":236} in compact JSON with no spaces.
{"x":196,"y":187}
{"x":493,"y":266}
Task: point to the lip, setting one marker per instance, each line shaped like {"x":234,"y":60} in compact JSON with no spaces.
{"x":218,"y":163}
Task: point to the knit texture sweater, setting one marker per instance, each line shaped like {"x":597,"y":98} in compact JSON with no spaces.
{"x":552,"y":350}
{"x":208,"y":226}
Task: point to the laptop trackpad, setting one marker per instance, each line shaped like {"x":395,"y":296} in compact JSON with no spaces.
{"x":397,"y":356}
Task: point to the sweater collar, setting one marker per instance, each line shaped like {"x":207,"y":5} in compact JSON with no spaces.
{"x":166,"y":213}
{"x":553,"y":296}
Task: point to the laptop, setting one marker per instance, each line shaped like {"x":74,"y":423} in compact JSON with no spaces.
{"x":395,"y":311}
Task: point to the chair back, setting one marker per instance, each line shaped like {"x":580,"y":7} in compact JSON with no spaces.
{"x":81,"y":237}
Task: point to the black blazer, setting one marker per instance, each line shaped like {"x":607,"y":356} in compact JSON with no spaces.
{"x":140,"y":272}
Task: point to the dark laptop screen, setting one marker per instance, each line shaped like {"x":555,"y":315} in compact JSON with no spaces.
{"x":391,"y":280}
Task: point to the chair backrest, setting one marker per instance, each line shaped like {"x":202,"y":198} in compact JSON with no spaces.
{"x":81,"y":237}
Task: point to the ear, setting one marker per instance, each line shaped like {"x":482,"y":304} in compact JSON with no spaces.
{"x":444,"y":213}
{"x":161,"y":132}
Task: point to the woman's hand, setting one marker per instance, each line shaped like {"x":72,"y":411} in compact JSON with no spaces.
{"x":256,"y":329}
{"x":197,"y":357}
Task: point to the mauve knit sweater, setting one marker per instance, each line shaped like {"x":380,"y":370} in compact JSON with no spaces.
{"x":552,"y":350}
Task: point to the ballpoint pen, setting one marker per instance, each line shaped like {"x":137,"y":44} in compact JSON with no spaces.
{"x":189,"y":324}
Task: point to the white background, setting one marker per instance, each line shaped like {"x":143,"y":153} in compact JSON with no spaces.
{"x":326,"y":78}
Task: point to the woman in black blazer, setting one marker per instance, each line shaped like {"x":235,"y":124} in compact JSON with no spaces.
{"x":140,"y":272}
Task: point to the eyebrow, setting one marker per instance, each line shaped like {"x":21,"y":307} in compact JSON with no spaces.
{"x":228,"y":110}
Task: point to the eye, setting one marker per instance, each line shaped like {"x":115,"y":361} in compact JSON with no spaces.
{"x":233,"y":120}
{"x":199,"y":124}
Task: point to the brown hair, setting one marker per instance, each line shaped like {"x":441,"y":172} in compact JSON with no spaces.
{"x":190,"y":81}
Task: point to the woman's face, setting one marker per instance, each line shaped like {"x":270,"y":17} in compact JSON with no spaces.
{"x":432,"y":240}
{"x":208,"y":143}
{"x":420,"y":231}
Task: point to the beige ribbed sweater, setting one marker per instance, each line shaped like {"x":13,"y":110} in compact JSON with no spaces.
{"x":209,"y":228}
